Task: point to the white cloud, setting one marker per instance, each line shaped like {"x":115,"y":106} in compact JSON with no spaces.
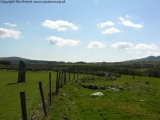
{"x":59,"y":25}
{"x":62,"y":29}
{"x":122,"y":45}
{"x":111,"y":30}
{"x":129,"y":23}
{"x":96,"y":45}
{"x":108,"y":23}
{"x":121,"y":19}
{"x":10,"y":33}
{"x":62,"y":42}
{"x":150,"y":53}
{"x":130,"y":46}
{"x":9,"y":24}
{"x":145,"y":46}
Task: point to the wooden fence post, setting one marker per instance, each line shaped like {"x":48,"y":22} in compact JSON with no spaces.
{"x":23,"y":105}
{"x":62,"y":79}
{"x":77,"y":73}
{"x":69,"y":74}
{"x":50,"y":89}
{"x":93,"y":73}
{"x":42,"y":98}
{"x":57,"y":82}
{"x":74,"y":74}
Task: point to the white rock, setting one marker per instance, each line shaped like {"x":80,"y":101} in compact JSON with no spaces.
{"x":97,"y":94}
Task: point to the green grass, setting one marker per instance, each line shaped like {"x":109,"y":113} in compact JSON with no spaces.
{"x":10,"y":108}
{"x":137,"y":101}
{"x":142,"y":70}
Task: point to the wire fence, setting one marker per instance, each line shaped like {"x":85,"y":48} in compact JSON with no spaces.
{"x":34,"y":106}
{"x":39,"y":103}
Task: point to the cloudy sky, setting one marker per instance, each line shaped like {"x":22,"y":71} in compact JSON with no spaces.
{"x":80,"y":30}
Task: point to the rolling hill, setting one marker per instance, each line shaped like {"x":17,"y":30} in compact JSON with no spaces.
{"x":15,"y":60}
{"x":149,"y":58}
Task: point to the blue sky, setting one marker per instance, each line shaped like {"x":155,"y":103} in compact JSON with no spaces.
{"x":80,"y":30}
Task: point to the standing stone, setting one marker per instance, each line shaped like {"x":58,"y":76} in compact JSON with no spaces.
{"x":22,"y":71}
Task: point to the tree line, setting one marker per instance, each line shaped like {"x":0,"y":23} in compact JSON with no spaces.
{"x":5,"y":62}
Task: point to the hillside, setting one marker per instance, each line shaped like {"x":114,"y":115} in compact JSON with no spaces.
{"x":150,"y":58}
{"x":15,"y":60}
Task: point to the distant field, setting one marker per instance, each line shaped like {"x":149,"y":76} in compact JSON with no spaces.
{"x":142,"y":70}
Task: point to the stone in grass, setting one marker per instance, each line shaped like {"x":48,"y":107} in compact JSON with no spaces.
{"x":97,"y":94}
{"x":91,"y":86}
{"x":121,"y":88}
{"x":102,"y":87}
{"x":147,"y":83}
{"x":115,"y":89}
{"x":63,"y":94}
{"x":136,"y":81}
{"x":21,"y":72}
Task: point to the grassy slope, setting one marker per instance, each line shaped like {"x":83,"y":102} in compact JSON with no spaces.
{"x":137,"y":101}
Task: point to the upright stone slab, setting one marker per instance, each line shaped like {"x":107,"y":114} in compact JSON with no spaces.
{"x":22,"y":71}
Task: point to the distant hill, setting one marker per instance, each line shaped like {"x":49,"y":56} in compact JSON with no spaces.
{"x":150,"y":58}
{"x":15,"y":60}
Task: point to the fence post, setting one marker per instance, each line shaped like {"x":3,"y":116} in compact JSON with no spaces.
{"x":42,"y":98}
{"x":74,"y":74}
{"x":77,"y":73}
{"x":57,"y":82}
{"x":93,"y":73}
{"x":69,"y":74}
{"x":62,"y":80}
{"x":50,"y":89}
{"x":23,"y":105}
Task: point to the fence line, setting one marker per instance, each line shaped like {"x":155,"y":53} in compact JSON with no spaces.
{"x":29,"y":104}
{"x":61,"y":80}
{"x":42,"y":97}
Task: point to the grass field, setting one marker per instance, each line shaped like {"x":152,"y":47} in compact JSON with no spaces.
{"x":10,"y":108}
{"x":137,"y":101}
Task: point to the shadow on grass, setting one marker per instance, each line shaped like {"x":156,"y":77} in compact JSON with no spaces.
{"x":14,"y":83}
